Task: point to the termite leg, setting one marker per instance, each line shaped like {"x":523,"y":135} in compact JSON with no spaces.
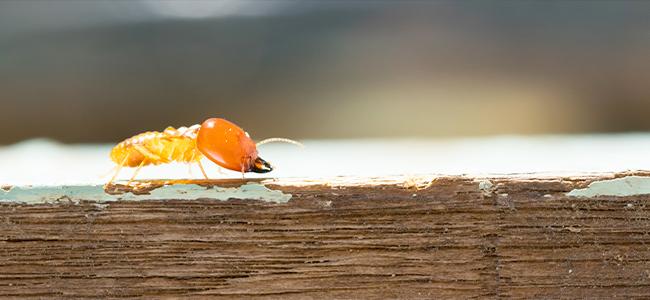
{"x":202,"y":170}
{"x":109,"y":172}
{"x":115,"y":175}
{"x":117,"y":171}
{"x":136,"y":172}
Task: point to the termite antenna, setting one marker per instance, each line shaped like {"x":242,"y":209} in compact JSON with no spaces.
{"x":279,"y":140}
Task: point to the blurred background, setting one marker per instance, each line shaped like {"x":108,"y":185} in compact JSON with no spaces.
{"x":100,"y":71}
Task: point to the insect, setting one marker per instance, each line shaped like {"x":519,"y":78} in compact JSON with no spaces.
{"x":221,"y":141}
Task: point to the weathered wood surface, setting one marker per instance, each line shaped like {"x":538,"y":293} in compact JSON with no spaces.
{"x":448,"y":238}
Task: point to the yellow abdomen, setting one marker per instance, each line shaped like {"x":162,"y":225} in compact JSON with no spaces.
{"x":156,"y":148}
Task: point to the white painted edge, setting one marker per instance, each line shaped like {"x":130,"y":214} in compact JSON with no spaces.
{"x":621,"y":187}
{"x":76,"y":193}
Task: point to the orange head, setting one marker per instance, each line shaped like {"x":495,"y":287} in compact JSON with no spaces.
{"x":230,"y":147}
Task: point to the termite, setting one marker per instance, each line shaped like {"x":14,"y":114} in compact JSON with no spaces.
{"x":221,"y":141}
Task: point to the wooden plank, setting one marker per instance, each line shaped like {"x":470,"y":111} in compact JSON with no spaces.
{"x":375,"y":238}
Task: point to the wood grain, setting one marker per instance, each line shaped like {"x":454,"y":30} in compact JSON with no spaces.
{"x":522,"y":238}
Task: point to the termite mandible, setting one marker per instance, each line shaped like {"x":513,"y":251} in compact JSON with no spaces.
{"x":221,"y":141}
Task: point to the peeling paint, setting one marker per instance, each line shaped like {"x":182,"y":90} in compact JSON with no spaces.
{"x":76,"y":193}
{"x":625,"y":186}
{"x":486,"y":187}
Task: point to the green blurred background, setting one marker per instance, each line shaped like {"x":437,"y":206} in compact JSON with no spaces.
{"x":100,"y":71}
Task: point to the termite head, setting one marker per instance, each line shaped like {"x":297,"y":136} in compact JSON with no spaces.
{"x":230,"y":147}
{"x":261,"y":166}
